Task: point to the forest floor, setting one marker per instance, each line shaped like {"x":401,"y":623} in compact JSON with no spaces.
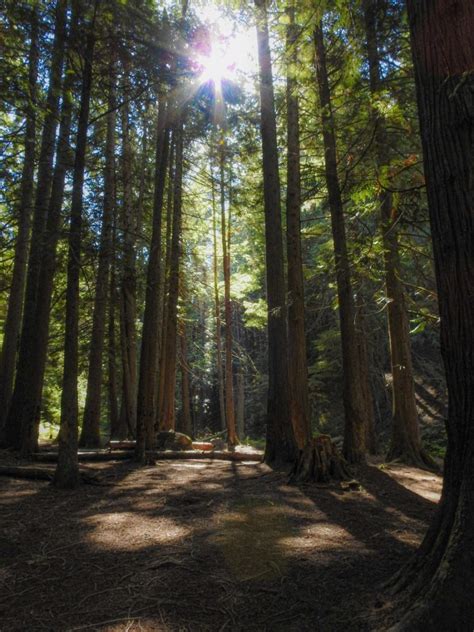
{"x":206,"y":546}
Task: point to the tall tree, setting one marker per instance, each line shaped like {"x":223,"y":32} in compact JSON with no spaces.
{"x":23,"y":414}
{"x":438,"y":581}
{"x":168,"y":417}
{"x":17,"y":289}
{"x":298,"y":367}
{"x":217,"y":307}
{"x":90,"y":434}
{"x":128,"y":282}
{"x":406,"y":438}
{"x":356,"y":407}
{"x":187,"y":422}
{"x":281,"y":444}
{"x":117,"y":429}
{"x":67,"y":470}
{"x":232,"y":438}
{"x":164,"y":282}
{"x":147,"y":386}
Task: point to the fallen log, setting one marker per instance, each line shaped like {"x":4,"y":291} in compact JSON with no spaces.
{"x":86,"y":457}
{"x":122,"y":445}
{"x":320,"y":462}
{"x":41,"y":473}
{"x":210,"y":456}
{"x":103,"y":456}
{"x":205,"y":446}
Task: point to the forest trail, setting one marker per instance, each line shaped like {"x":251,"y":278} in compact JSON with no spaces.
{"x":200,"y":546}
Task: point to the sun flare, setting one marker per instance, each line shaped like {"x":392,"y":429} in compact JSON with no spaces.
{"x":216,"y":67}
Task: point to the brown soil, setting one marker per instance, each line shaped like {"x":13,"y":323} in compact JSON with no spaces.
{"x":206,"y":546}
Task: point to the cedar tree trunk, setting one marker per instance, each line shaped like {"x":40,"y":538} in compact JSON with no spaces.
{"x":355,"y":405}
{"x":67,"y":471}
{"x":298,"y":367}
{"x":281,"y":445}
{"x":438,"y":583}
{"x":17,"y":289}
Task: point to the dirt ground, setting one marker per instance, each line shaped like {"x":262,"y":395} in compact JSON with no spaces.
{"x":205,"y":546}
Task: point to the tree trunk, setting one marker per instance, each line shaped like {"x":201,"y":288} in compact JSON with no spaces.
{"x":438,"y":582}
{"x":116,"y":431}
{"x":365,"y":381}
{"x":67,"y":471}
{"x":164,"y":280}
{"x":90,"y":435}
{"x":128,"y":288}
{"x":406,"y":440}
{"x":320,"y":462}
{"x":232,"y":437}
{"x":187,"y":425}
{"x":147,"y":386}
{"x":355,"y":405}
{"x":240,"y":381}
{"x":23,"y":413}
{"x":240,"y":409}
{"x":298,"y":367}
{"x":17,"y":289}
{"x":217,"y":308}
{"x":168,"y":418}
{"x":281,"y":444}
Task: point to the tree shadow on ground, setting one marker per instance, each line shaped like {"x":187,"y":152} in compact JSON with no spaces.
{"x":198,"y":546}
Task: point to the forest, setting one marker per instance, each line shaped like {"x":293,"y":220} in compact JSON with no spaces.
{"x":237,"y":315}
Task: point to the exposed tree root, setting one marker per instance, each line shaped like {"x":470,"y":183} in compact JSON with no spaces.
{"x":416,"y":458}
{"x":320,"y":462}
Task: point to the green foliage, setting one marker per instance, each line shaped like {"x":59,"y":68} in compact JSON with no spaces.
{"x":161,"y":55}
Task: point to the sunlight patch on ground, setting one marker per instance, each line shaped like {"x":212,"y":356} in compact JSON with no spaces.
{"x":421,"y":482}
{"x":122,"y":531}
{"x":11,"y":498}
{"x":191,"y":466}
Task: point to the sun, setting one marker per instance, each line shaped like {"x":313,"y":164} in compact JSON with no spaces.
{"x":224,"y":51}
{"x":217,"y":66}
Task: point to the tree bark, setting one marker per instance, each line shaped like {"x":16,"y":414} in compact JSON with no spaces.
{"x":168,"y":417}
{"x":116,"y":431}
{"x":187,"y":425}
{"x":320,"y":462}
{"x":406,"y":440}
{"x":365,"y":383}
{"x":438,"y":582}
{"x":217,"y":308}
{"x":281,"y":444}
{"x":24,"y":408}
{"x":90,"y":435}
{"x":128,"y":287}
{"x":67,"y":471}
{"x":298,"y":367}
{"x":17,"y":289}
{"x":356,"y":406}
{"x":240,"y":408}
{"x":147,"y":386}
{"x":164,"y":280}
{"x":232,"y":437}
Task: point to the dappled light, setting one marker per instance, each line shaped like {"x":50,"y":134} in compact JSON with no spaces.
{"x":236,"y":316}
{"x":226,"y":539}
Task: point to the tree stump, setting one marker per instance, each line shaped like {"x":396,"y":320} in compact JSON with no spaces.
{"x":320,"y":462}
